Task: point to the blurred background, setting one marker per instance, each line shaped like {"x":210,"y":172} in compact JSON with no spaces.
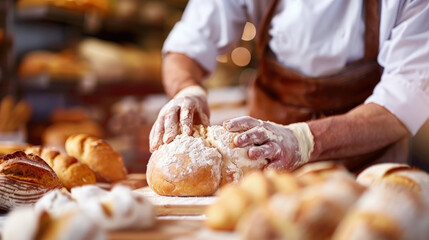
{"x":94,"y":66}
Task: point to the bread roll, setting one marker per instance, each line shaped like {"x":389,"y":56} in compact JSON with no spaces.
{"x":317,"y":172}
{"x":197,"y":165}
{"x":312,"y":213}
{"x":235,"y":200}
{"x":386,"y":212}
{"x":69,"y":170}
{"x":226,"y":212}
{"x":395,"y":207}
{"x":106,"y":163}
{"x":24,"y":179}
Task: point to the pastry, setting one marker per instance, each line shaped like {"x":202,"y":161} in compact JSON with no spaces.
{"x":104,"y":161}
{"x":69,"y":170}
{"x":24,"y":179}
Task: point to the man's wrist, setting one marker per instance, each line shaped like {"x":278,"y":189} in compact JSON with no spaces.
{"x":195,"y":90}
{"x":305,"y":139}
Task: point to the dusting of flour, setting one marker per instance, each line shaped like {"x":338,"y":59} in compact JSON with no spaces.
{"x":197,"y":149}
{"x":235,"y":160}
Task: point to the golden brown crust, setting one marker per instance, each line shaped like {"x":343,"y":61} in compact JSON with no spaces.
{"x":106,"y":163}
{"x":198,"y":182}
{"x":69,"y":170}
{"x":24,"y":179}
{"x":29,"y":168}
{"x":377,"y":226}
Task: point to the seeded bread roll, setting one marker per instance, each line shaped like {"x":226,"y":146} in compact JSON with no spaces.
{"x":69,"y":170}
{"x":106,"y":163}
{"x":197,"y":165}
{"x":24,"y":179}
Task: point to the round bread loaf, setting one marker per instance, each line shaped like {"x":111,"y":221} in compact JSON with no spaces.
{"x":197,"y":165}
{"x":188,"y":166}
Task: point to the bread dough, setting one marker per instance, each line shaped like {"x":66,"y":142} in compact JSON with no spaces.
{"x":197,"y":165}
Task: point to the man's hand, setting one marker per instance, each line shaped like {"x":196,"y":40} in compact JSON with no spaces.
{"x":286,"y":147}
{"x":187,"y":108}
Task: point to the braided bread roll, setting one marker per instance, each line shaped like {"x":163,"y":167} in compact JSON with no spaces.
{"x":69,"y":170}
{"x":106,"y":163}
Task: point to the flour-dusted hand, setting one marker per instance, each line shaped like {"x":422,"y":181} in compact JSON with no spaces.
{"x":285,"y":146}
{"x":187,"y":108}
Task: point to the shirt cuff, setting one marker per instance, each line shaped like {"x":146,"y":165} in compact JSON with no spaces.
{"x":405,"y":100}
{"x":191,"y":43}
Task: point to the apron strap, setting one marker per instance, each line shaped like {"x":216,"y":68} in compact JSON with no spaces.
{"x":264,"y":25}
{"x":372,"y":20}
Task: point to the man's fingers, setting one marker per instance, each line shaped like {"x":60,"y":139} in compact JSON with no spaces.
{"x":171,"y":124}
{"x":156,"y":134}
{"x":187,"y":116}
{"x":254,"y":136}
{"x":241,"y":124}
{"x":268,"y":150}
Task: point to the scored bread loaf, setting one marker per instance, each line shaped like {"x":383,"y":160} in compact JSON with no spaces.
{"x":106,"y":163}
{"x":69,"y":170}
{"x":197,"y":165}
{"x":24,"y":179}
{"x":396,"y":206}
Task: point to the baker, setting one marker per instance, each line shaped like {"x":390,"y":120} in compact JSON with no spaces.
{"x":337,"y":80}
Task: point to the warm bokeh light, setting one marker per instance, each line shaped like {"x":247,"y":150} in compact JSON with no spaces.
{"x":241,"y":56}
{"x":222,"y":58}
{"x":249,"y":32}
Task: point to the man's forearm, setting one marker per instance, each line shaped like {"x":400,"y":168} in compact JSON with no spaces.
{"x":180,"y":71}
{"x":364,"y":129}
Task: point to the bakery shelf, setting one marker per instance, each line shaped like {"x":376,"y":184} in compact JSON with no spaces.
{"x":89,"y":22}
{"x":90,"y":89}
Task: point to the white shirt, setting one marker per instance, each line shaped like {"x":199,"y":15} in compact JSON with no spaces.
{"x":318,"y":37}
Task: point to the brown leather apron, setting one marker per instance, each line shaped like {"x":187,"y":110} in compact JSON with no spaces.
{"x":285,"y":96}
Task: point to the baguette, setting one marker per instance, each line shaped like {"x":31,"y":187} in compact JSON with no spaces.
{"x":106,"y":163}
{"x":69,"y":170}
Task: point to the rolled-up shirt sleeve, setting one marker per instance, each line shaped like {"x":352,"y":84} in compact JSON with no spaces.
{"x":404,"y":54}
{"x":207,"y":28}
